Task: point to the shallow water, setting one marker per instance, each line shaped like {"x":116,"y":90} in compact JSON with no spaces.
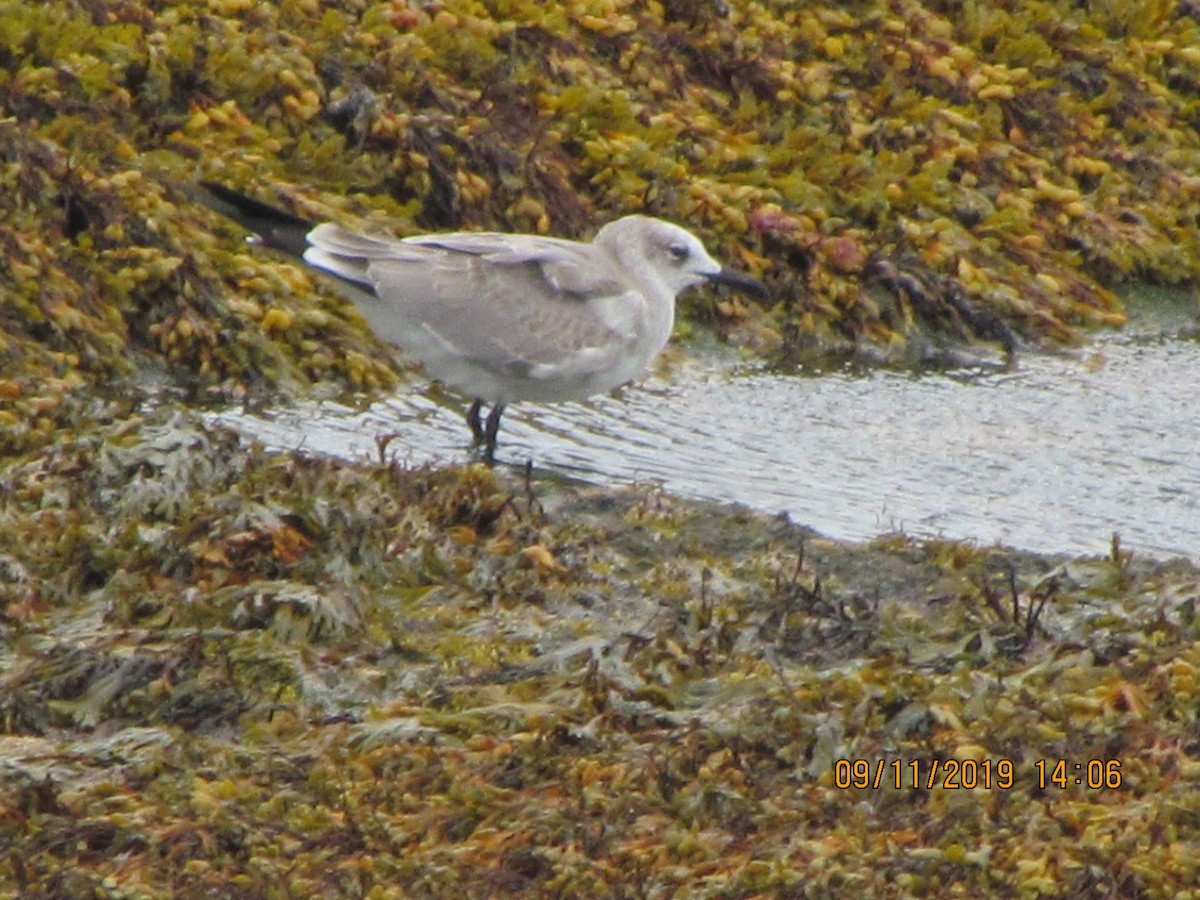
{"x":1053,"y":456}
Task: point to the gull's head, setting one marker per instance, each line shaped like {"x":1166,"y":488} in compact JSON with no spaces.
{"x":669,"y":254}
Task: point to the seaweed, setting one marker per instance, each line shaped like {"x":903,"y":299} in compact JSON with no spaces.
{"x":226,"y":670}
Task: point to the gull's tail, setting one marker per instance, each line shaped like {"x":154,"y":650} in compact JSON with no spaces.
{"x":275,"y":228}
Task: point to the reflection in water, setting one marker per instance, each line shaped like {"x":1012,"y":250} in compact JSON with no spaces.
{"x":1054,"y":456}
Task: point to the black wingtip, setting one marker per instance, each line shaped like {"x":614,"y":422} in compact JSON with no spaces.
{"x":277,"y":228}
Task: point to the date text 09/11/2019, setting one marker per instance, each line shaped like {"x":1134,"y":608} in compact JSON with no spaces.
{"x":969,"y":774}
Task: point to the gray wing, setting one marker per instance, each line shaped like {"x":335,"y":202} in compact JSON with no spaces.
{"x":579,"y":269}
{"x":514,"y":305}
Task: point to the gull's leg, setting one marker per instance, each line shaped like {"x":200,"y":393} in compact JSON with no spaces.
{"x":477,"y":435}
{"x":491,"y":431}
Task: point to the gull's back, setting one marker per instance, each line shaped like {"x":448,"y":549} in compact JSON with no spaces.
{"x":508,"y":317}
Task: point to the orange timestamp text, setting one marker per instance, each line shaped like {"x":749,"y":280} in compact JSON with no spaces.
{"x":970,"y":774}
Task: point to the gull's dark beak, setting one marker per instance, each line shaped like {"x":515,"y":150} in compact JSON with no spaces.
{"x":747,"y":284}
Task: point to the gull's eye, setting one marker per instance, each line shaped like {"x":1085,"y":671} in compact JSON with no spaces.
{"x":679,"y":252}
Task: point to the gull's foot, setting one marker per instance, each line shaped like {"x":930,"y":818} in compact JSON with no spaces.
{"x":476,"y":425}
{"x":484,"y":433}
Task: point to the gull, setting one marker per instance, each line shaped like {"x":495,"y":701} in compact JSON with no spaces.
{"x":505,"y":317}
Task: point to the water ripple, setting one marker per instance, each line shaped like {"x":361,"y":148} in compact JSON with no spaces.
{"x":1055,"y":456}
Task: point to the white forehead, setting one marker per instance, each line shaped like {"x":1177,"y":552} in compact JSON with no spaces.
{"x":642,"y":236}
{"x":673,"y":234}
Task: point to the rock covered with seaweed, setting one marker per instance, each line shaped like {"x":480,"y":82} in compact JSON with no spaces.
{"x":230,"y":671}
{"x":904,"y":174}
